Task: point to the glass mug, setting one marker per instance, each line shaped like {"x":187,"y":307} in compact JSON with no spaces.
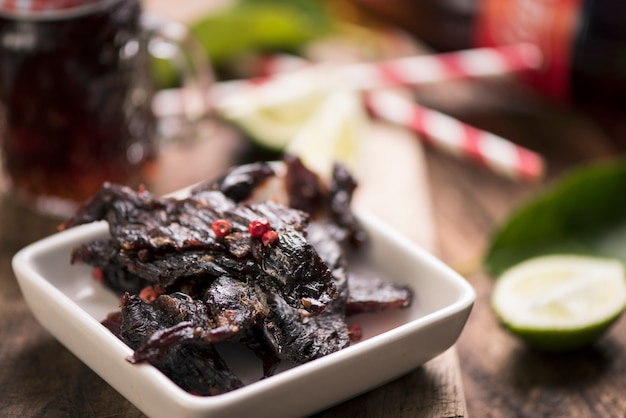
{"x":75,"y":97}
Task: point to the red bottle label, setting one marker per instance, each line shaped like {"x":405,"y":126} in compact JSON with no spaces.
{"x":43,"y":7}
{"x":549,"y":24}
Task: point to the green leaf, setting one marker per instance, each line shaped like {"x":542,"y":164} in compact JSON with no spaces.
{"x":253,"y":26}
{"x":584,"y":213}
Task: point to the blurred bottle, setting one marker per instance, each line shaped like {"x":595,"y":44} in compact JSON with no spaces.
{"x":583,"y":41}
{"x":444,"y":25}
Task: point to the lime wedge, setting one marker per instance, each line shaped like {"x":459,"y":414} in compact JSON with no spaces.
{"x":560,"y":302}
{"x":332,"y":134}
{"x":273,"y":112}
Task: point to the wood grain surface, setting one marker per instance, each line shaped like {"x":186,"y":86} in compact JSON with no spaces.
{"x":489,"y":373}
{"x":500,"y":376}
{"x":41,"y":378}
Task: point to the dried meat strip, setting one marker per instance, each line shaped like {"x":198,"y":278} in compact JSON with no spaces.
{"x":372,"y":294}
{"x":300,"y":337}
{"x":296,"y":334}
{"x":230,"y":300}
{"x":304,"y":187}
{"x":139,"y":221}
{"x":197,"y":368}
{"x":285,"y":299}
{"x":103,"y":256}
{"x":244,"y":303}
{"x":239,"y":182}
{"x":341,"y":190}
{"x":232,"y":311}
{"x":184,"y":320}
{"x":148,"y":229}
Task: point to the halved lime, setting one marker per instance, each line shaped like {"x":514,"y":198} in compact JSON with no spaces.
{"x":332,"y":134}
{"x":560,"y":302}
{"x":273,"y":112}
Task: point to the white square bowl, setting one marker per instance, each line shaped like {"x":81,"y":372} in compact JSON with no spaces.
{"x":67,"y":302}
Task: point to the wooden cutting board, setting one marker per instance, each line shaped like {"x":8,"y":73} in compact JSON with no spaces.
{"x":395,"y":187}
{"x":393,"y":183}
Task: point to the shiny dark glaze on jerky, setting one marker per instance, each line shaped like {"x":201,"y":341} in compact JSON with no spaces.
{"x":197,"y":368}
{"x":371,"y":294}
{"x":234,"y":288}
{"x":156,"y":237}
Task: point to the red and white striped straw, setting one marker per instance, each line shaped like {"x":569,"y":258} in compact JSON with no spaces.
{"x":407,"y":71}
{"x":457,"y":138}
{"x":422,"y":69}
{"x":444,"y":132}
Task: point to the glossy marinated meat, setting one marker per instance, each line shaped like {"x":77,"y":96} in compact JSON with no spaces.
{"x":197,"y":368}
{"x":162,"y":240}
{"x":372,"y":294}
{"x":301,"y":337}
{"x":331,"y":202}
{"x":187,"y":289}
{"x":239,"y":182}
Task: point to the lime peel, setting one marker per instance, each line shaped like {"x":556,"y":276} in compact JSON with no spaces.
{"x":273,"y":112}
{"x":561,"y":301}
{"x":332,"y":134}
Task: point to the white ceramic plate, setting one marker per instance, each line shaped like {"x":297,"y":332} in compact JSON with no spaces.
{"x":66,"y":301}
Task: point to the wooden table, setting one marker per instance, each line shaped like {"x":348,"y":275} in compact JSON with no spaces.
{"x":43,"y":379}
{"x":502,"y":377}
{"x":446,"y":205}
{"x":487,"y":374}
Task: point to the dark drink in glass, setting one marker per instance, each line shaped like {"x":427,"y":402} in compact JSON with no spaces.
{"x":75,"y":101}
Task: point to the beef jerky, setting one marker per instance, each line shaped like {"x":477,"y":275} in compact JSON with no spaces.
{"x":167,"y":269}
{"x":232,"y":311}
{"x":103,"y":256}
{"x":113,"y":322}
{"x":178,"y":307}
{"x":139,"y":320}
{"x":164,"y":340}
{"x":239,"y":182}
{"x":372,"y":294}
{"x":300,"y":337}
{"x":298,"y":272}
{"x":118,"y":205}
{"x":304,"y":187}
{"x":183,"y":320}
{"x":295,"y":334}
{"x":165,"y":230}
{"x":330,"y":242}
{"x":199,"y":370}
{"x":196,"y":368}
{"x":287,"y":300}
{"x":139,"y":221}
{"x":233,"y":301}
{"x":342,"y":188}
{"x":244,"y":303}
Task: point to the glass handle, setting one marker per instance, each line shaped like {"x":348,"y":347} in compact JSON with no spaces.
{"x":172,"y":41}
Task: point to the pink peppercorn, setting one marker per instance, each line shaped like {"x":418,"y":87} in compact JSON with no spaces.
{"x":269,"y":238}
{"x":98,"y":274}
{"x":258,"y":227}
{"x":221,"y":227}
{"x":355,"y":332}
{"x":151,"y":293}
